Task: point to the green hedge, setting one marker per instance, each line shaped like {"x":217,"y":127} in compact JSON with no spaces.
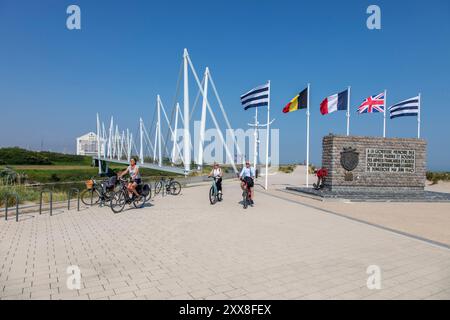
{"x":435,"y":177}
{"x":19,"y":156}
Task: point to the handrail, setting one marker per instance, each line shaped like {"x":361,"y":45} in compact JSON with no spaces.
{"x":50,"y":201}
{"x":7,"y":197}
{"x":71,"y":191}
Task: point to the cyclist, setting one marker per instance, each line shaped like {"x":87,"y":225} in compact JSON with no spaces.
{"x":217,"y":174}
{"x":133,"y":171}
{"x":247,"y":176}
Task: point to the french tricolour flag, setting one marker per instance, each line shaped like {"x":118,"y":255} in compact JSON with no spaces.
{"x":334,"y":103}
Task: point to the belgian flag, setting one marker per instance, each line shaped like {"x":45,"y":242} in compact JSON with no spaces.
{"x":299,"y":102}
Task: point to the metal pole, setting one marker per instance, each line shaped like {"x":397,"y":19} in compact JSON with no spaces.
{"x":203,"y":120}
{"x":111,"y":125}
{"x":267,"y":139}
{"x":98,"y":144}
{"x":177,"y":109}
{"x":307,"y":139}
{"x":255,"y":134}
{"x":141,"y":152}
{"x":159,"y":132}
{"x":40,"y":204}
{"x":348,"y":111}
{"x":418,"y":118}
{"x":156,"y":141}
{"x":68,"y":199}
{"x":384,"y":114}
{"x":6,"y":208}
{"x":51,"y":203}
{"x":17,"y":208}
{"x":187,"y":150}
{"x":78,"y":200}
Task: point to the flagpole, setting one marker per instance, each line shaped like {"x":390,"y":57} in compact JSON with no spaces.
{"x":255,"y":134}
{"x":307,"y":139}
{"x":267,"y":137}
{"x":418,"y":118}
{"x":348,"y":111}
{"x":384,"y":114}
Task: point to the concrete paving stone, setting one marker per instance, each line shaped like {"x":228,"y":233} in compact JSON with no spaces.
{"x":101,"y":294}
{"x":123,"y":296}
{"x":277,"y":249}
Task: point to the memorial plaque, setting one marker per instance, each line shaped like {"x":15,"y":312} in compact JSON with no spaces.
{"x":390,"y":160}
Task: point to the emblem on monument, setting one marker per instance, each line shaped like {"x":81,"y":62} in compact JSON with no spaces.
{"x":349,"y":159}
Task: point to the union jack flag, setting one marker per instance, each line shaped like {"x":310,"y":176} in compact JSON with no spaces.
{"x":373,"y":104}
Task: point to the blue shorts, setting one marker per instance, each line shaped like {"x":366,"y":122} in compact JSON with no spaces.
{"x":137,"y":181}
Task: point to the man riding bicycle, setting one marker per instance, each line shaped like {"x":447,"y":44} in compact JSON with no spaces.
{"x":217,"y":174}
{"x":247,"y":177}
{"x":133,"y":171}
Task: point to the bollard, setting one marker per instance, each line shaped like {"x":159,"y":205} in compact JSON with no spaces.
{"x":41,"y":200}
{"x":17,"y":208}
{"x":6,"y":208}
{"x":51,"y":203}
{"x":69,"y":198}
{"x":40,"y":203}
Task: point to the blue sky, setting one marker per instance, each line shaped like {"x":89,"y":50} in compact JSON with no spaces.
{"x":53,"y":80}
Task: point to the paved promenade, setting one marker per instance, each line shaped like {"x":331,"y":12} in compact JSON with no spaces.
{"x":183,"y":248}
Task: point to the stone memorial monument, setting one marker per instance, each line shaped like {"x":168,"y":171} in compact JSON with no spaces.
{"x":367,"y":164}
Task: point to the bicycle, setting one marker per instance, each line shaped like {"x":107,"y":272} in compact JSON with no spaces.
{"x":171,"y":186}
{"x":96,"y":192}
{"x":122,"y":197}
{"x":246,"y":195}
{"x":214,"y":194}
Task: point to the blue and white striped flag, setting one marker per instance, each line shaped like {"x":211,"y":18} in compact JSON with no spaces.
{"x":257,"y":97}
{"x":409,"y":107}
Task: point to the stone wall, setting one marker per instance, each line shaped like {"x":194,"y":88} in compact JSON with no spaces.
{"x":384,"y":164}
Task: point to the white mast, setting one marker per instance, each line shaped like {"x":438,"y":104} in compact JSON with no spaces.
{"x":187,"y":139}
{"x":307,"y":139}
{"x":110,"y":138}
{"x":156,"y":141}
{"x":174,"y":135}
{"x":141,"y":131}
{"x":98,"y":145}
{"x":267,"y":139}
{"x":418,"y":118}
{"x":255,"y":134}
{"x":203,"y":120}
{"x":159,"y":132}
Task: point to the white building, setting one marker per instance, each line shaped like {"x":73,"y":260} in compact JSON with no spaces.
{"x":87,"y":145}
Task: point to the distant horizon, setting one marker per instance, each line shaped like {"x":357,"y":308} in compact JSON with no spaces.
{"x":280,"y":164}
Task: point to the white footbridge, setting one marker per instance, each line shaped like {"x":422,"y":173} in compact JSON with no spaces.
{"x":171,"y":152}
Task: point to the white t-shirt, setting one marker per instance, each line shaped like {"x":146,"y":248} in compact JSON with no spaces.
{"x":217,"y":172}
{"x":247,"y":172}
{"x":134,"y":172}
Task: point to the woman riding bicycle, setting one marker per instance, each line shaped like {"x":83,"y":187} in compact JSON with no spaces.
{"x":217,"y":174}
{"x":133,"y":171}
{"x":247,"y":177}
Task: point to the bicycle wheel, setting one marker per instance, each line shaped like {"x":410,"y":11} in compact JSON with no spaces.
{"x":175,"y":188}
{"x":118,"y":201}
{"x":90,"y":197}
{"x":149,"y":195}
{"x":212,"y":196}
{"x":139,"y":203}
{"x":158,"y":187}
{"x":244,"y":199}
